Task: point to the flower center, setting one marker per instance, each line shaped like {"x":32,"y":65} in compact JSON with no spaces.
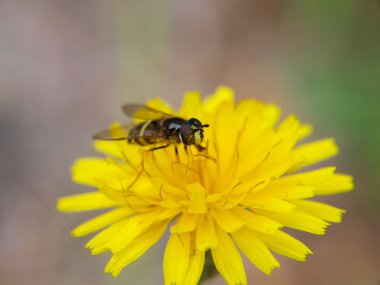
{"x":197,"y":199}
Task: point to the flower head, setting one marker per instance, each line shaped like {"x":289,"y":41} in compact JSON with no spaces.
{"x":241,"y":193}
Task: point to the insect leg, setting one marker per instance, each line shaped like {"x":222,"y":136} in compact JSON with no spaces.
{"x":186,"y":150}
{"x":176,"y":152}
{"x":159,"y":147}
{"x":201,"y":148}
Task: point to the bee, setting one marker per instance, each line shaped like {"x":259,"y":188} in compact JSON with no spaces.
{"x":158,"y":129}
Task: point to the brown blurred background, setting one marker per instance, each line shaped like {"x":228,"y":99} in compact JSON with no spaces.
{"x":66,"y":67}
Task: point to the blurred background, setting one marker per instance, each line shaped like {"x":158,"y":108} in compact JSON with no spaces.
{"x":66,"y":67}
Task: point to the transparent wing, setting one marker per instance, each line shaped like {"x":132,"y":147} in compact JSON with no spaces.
{"x":122,"y":132}
{"x":143,"y":112}
{"x":119,"y":132}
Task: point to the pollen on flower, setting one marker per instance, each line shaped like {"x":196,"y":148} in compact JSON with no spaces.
{"x":235,"y":190}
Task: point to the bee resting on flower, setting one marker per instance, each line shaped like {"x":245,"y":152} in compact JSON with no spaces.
{"x":239,"y":192}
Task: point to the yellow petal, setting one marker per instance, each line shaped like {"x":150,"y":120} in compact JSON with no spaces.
{"x":228,"y":260}
{"x":195,"y":268}
{"x":88,"y":170}
{"x":130,"y":153}
{"x":137,"y":248}
{"x":191,"y":105}
{"x":271,"y":114}
{"x":227,"y":220}
{"x":160,"y":105}
{"x":101,"y":221}
{"x":288,"y":131}
{"x":197,"y":203}
{"x":85,"y":202}
{"x":340,"y":183}
{"x":256,"y":222}
{"x":205,"y":235}
{"x":257,"y":129}
{"x":168,"y":214}
{"x":298,"y":220}
{"x":313,"y":178}
{"x":255,"y":250}
{"x":286,"y":245}
{"x":286,"y":191}
{"x":222,"y":94}
{"x":259,"y":116}
{"x":267,"y":171}
{"x":186,"y":223}
{"x":133,"y":228}
{"x":98,"y":244}
{"x":268,"y":203}
{"x":324,"y":181}
{"x":108,"y":147}
{"x":321,"y":210}
{"x":314,"y":152}
{"x":304,"y":131}
{"x":225,"y":141}
{"x":161,"y":165}
{"x":176,"y":258}
{"x":167,"y":191}
{"x":103,"y":172}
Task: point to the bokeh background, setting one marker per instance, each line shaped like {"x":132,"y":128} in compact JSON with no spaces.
{"x":66,"y":67}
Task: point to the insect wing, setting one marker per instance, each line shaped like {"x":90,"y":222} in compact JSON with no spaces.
{"x":119,"y":132}
{"x":143,"y":112}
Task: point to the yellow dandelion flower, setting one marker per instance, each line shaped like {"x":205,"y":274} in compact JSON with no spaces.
{"x":237,"y":195}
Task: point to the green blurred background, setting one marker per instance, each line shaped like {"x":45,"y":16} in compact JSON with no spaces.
{"x":67,"y":66}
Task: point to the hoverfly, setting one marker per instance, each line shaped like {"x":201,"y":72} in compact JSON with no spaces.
{"x":159,"y":129}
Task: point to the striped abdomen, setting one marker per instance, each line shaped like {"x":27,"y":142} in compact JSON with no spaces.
{"x":156,"y":131}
